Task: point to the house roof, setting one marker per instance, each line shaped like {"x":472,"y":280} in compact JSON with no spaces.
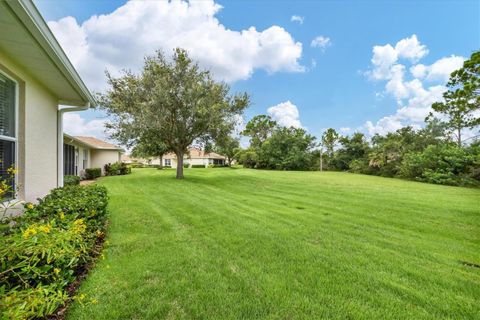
{"x":127,"y":157}
{"x":28,"y":41}
{"x":93,"y":143}
{"x":197,"y":153}
{"x":97,"y":143}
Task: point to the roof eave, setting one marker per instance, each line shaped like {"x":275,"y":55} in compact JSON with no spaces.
{"x":39,"y":29}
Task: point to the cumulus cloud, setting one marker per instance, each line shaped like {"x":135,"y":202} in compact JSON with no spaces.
{"x":410,"y":48}
{"x":385,"y":57}
{"x":442,"y":68}
{"x":120,"y":40}
{"x":414,"y":97}
{"x":285,"y":114}
{"x":321,"y":42}
{"x":298,"y":19}
{"x":75,"y":125}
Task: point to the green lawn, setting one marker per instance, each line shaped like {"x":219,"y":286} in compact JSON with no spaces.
{"x":250,"y":244}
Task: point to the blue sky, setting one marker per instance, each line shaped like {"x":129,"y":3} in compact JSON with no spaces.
{"x":336,"y":85}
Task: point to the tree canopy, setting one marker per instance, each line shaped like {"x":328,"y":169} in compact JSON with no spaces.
{"x":173,"y":101}
{"x":461,"y":107}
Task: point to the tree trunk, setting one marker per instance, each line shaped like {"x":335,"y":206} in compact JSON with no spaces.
{"x":459,"y":137}
{"x":161,"y":161}
{"x":179,"y":165}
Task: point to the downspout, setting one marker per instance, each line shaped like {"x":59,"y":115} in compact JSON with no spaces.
{"x":60,"y":112}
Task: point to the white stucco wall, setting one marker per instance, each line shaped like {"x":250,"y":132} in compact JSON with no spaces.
{"x":39,"y":163}
{"x":99,"y":158}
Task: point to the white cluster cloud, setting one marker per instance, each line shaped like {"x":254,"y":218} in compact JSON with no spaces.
{"x":438,"y":71}
{"x":75,"y":125}
{"x":120,"y":40}
{"x":415,"y":91}
{"x":285,"y":114}
{"x":296,"y":18}
{"x":321,"y":42}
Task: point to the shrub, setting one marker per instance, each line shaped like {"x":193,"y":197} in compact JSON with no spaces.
{"x":93,"y":173}
{"x":47,"y":248}
{"x":198,"y":166}
{"x":124,"y":169}
{"x":442,"y":164}
{"x":71,"y":180}
{"x":117,"y":168}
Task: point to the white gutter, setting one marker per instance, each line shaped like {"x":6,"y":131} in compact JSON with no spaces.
{"x":60,"y":112}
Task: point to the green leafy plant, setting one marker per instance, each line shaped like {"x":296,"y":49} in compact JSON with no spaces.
{"x":117,"y":168}
{"x":71,"y":180}
{"x":93,"y":173}
{"x":47,"y":248}
{"x":8,"y":193}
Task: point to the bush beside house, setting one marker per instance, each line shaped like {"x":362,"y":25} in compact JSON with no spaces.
{"x":47,"y":248}
{"x":115,"y":169}
{"x":93,"y":173}
{"x":71,"y":180}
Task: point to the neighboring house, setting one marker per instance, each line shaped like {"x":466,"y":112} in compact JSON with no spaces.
{"x":81,"y":153}
{"x":128,"y":159}
{"x":38,"y":84}
{"x":194,"y":157}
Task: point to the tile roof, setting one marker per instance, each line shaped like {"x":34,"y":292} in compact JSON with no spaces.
{"x":97,"y":143}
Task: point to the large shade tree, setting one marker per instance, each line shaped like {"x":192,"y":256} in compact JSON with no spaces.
{"x":149,"y":145}
{"x":172,"y":100}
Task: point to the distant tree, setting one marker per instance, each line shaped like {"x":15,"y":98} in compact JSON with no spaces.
{"x":174,"y":99}
{"x":259,"y":128}
{"x":444,"y":163}
{"x":148,"y":145}
{"x":286,"y":149}
{"x":462,"y":100}
{"x":354,"y":147}
{"x":227,"y":146}
{"x":329,"y":140}
{"x":248,"y":157}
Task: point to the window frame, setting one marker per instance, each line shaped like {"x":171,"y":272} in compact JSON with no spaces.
{"x":169,"y":162}
{"x":15,"y":138}
{"x":85,"y":159}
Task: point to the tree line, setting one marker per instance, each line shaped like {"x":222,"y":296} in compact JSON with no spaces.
{"x":438,"y":153}
{"x":172,"y":104}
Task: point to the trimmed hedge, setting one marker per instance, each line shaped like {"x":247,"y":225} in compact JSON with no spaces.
{"x":47,"y":248}
{"x":71,"y":180}
{"x":198,"y":166}
{"x":117,"y":168}
{"x":93,"y":173}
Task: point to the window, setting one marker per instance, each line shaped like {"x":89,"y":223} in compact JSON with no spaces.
{"x":218,"y":161}
{"x":68,"y":159}
{"x":85,"y":159}
{"x":8,"y":134}
{"x":168,"y":162}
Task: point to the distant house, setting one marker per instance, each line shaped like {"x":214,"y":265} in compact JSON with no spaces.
{"x":195,"y":157}
{"x":81,"y":153}
{"x":128,"y":159}
{"x":38,"y":84}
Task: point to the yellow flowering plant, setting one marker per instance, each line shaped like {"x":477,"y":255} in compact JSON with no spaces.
{"x":8,"y":193}
{"x":49,"y":246}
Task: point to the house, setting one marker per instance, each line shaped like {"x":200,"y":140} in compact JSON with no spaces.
{"x":38,"y":84}
{"x":194,"y":157}
{"x":81,"y":152}
{"x":125,"y":158}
